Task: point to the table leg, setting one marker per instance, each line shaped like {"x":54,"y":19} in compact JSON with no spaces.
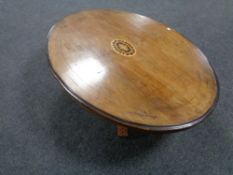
{"x":122,"y":131}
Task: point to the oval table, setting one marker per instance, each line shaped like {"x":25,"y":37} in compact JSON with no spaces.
{"x":132,"y":70}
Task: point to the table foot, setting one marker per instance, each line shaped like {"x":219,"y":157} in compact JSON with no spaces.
{"x":122,"y":131}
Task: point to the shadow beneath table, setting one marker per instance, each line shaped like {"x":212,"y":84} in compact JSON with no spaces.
{"x":90,"y":138}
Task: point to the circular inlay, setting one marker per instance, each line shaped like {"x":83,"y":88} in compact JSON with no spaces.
{"x":123,"y":47}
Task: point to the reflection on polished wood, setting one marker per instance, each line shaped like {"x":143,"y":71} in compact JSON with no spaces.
{"x":132,"y":70}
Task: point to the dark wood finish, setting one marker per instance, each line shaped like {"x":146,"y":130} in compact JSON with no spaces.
{"x":132,"y":70}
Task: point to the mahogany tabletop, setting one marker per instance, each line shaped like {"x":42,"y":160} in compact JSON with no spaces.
{"x":132,"y":69}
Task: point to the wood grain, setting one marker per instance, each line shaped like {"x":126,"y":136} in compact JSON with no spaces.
{"x":132,"y":69}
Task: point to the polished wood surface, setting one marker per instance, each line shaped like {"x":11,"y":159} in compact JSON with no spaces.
{"x":132,"y":69}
